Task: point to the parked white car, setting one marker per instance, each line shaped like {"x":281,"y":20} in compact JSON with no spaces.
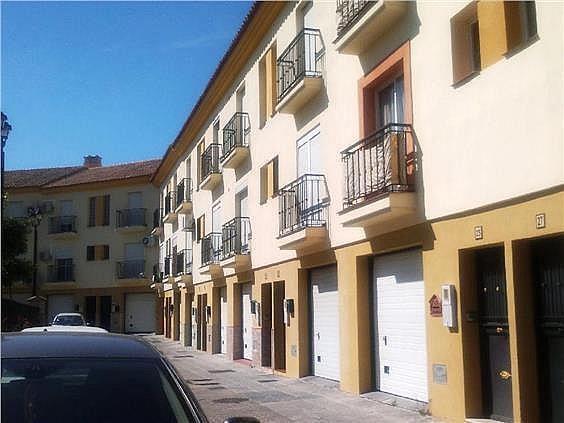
{"x":67,"y":322}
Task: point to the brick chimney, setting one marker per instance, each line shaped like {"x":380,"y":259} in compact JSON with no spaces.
{"x":92,"y":161}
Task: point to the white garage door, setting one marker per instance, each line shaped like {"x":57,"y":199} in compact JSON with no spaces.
{"x":246,"y":293}
{"x":325,"y":322}
{"x":399,"y":313}
{"x":223,"y":318}
{"x":140,"y":312}
{"x":59,"y":304}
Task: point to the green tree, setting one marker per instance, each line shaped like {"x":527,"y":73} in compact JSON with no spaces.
{"x":14,"y":245}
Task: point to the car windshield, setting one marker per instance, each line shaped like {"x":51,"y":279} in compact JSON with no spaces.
{"x":69,"y":321}
{"x":88,"y":390}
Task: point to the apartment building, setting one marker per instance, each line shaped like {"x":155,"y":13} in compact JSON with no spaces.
{"x":95,"y":254}
{"x":372,"y":192}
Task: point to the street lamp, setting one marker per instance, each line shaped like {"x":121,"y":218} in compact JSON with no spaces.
{"x":34,"y":216}
{"x":6,"y":128}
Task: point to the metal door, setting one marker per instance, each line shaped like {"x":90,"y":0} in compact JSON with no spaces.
{"x":106,"y":311}
{"x":548,"y":280}
{"x":246,"y":293}
{"x":223,"y":319}
{"x":494,"y":334}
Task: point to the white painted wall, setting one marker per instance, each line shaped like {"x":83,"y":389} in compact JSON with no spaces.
{"x":496,"y":137}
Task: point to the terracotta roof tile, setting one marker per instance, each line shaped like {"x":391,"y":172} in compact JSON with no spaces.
{"x":74,"y":175}
{"x":108,"y":173}
{"x":37,"y":177}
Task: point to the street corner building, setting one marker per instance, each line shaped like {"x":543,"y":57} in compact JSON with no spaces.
{"x":372,"y":192}
{"x":94,"y":253}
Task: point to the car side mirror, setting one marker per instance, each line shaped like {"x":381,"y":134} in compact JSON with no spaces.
{"x":241,"y":420}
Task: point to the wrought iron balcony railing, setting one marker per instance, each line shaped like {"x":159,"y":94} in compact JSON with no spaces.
{"x":236,"y":235}
{"x":301,"y":59}
{"x":183,"y":191}
{"x":303,"y":204}
{"x":236,"y":133}
{"x":61,"y":272}
{"x":157,"y":218}
{"x":210,"y":160}
{"x":130,"y":217}
{"x":348,"y":12}
{"x":183,"y":263}
{"x":62,"y":224}
{"x":378,"y":164}
{"x":169,"y":202}
{"x":130,"y":269}
{"x":211,"y":248}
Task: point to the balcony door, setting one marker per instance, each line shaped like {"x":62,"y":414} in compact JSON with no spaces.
{"x":390,"y":110}
{"x":390,"y":101}
{"x":309,"y":153}
{"x":134,"y":260}
{"x":135,"y":204}
{"x":216,"y":228}
{"x":308,"y":192}
{"x":66,"y":209}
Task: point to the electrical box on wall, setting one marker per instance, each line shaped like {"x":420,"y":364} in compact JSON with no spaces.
{"x":448,"y":297}
{"x":288,"y":310}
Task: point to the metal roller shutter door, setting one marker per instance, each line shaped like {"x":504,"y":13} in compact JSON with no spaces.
{"x":399,"y":325}
{"x":325,"y":322}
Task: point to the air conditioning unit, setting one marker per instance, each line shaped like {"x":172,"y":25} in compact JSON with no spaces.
{"x":47,"y":207}
{"x":45,"y":255}
{"x":149,"y":241}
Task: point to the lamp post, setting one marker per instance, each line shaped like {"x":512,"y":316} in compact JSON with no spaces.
{"x":34,"y":215}
{"x":6,"y":128}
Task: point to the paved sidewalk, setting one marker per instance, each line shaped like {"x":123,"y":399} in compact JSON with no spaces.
{"x":225,"y":389}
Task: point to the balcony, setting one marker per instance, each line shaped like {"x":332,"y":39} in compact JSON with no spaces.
{"x":182,"y":265}
{"x":130,"y":269}
{"x":300,"y":69}
{"x":61,"y":272}
{"x":236,"y":237}
{"x":157,"y":223}
{"x":236,"y":136}
{"x":379,"y":178}
{"x":62,"y":227}
{"x":131,"y":220}
{"x":361,"y":22}
{"x":211,"y":175}
{"x":211,"y":254}
{"x":170,"y":215}
{"x":184,"y":196}
{"x":302,"y":213}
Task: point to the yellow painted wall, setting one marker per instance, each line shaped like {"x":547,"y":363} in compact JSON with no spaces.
{"x":503,"y":226}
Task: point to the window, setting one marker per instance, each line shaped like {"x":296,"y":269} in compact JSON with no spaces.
{"x":267,"y":85}
{"x":216,"y":131}
{"x":200,"y":151}
{"x":520,"y":22}
{"x":97,"y":252}
{"x":15,"y":209}
{"x":483,"y":32}
{"x":99,"y":211}
{"x":269,"y":180}
{"x":200,"y":227}
{"x":386,"y":93}
{"x":465,"y":39}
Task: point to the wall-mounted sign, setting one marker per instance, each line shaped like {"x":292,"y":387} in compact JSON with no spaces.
{"x":435,"y":306}
{"x":478,"y":233}
{"x":541,"y":221}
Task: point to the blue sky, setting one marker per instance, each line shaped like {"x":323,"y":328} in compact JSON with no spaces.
{"x":107,"y":78}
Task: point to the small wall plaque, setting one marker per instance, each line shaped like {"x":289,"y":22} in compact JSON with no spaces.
{"x":478,"y":232}
{"x":440,"y":374}
{"x":541,"y":220}
{"x":435,"y":306}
